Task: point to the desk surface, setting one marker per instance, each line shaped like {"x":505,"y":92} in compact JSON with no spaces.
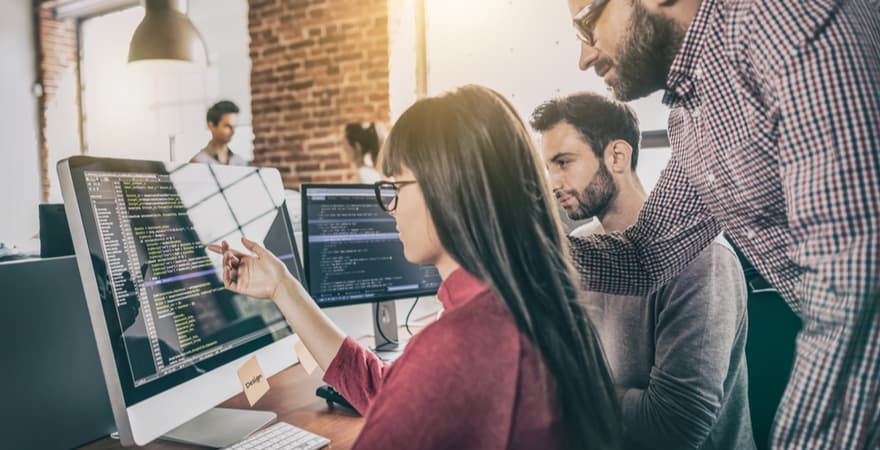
{"x":292,"y":397}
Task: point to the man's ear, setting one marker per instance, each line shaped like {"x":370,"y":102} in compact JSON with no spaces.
{"x":618,"y":155}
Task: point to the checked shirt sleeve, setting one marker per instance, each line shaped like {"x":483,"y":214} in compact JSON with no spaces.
{"x":828,"y":108}
{"x":673,"y":227}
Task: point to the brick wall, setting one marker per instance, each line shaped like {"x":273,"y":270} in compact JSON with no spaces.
{"x":316,"y":65}
{"x":57,"y":56}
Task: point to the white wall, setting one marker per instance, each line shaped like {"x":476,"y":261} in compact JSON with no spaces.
{"x":357,"y":320}
{"x":128,"y":114}
{"x":19,"y":171}
{"x":132,"y":110}
{"x":402,"y":56}
{"x":524,"y":49}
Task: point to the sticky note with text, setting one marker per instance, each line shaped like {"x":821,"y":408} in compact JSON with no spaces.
{"x":305,"y":358}
{"x":252,"y":380}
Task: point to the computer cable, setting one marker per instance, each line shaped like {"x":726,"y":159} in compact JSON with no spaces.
{"x":406,"y":323}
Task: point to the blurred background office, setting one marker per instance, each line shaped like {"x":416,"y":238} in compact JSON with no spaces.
{"x":362,"y":144}
{"x":298,"y":71}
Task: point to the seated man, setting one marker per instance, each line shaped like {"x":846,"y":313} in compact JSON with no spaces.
{"x":677,"y":356}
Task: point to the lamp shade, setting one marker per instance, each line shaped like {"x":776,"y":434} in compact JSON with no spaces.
{"x":167,"y":34}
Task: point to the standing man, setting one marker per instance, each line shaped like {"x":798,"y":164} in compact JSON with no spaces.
{"x":222,"y":120}
{"x":678,"y":354}
{"x":775,"y":133}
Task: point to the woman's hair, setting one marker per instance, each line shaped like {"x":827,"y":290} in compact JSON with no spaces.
{"x":367,"y":137}
{"x":485,"y":189}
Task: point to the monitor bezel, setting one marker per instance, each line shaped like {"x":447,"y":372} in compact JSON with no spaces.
{"x":148,"y":418}
{"x":304,"y":200}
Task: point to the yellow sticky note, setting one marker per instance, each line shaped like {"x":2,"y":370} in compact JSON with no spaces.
{"x":305,"y":358}
{"x":252,"y":380}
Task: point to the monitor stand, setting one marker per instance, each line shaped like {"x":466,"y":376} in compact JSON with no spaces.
{"x":220,"y":427}
{"x":385,"y":323}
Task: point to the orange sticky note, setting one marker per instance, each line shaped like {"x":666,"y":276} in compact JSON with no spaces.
{"x":252,"y":380}
{"x":305,"y":358}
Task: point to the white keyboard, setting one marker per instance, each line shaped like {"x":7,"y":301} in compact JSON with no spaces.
{"x":282,"y":435}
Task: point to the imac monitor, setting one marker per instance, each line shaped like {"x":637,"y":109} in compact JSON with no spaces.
{"x":353,"y":254}
{"x":170,"y":337}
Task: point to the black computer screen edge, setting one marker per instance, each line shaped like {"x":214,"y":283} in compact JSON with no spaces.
{"x":132,"y":395}
{"x":305,"y":253}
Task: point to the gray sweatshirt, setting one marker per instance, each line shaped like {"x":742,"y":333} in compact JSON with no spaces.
{"x":680,"y":356}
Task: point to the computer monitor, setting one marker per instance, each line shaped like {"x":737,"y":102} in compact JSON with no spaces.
{"x":353,"y":254}
{"x":56,"y":396}
{"x":170,"y":337}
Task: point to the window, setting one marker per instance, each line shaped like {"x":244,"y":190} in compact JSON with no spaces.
{"x":142,"y":112}
{"x":525,"y":50}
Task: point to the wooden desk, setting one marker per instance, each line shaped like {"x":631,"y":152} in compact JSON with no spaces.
{"x":292,"y":397}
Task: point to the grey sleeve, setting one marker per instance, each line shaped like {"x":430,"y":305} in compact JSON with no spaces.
{"x":699,"y":324}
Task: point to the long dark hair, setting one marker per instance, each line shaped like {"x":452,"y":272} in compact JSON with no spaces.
{"x":484,"y":186}
{"x":367,"y":137}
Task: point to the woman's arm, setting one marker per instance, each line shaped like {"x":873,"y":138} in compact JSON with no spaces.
{"x":355,"y":371}
{"x":319,"y":334}
{"x":262,"y":275}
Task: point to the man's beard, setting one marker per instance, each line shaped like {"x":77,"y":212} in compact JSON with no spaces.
{"x":646,"y":55}
{"x":595,"y":198}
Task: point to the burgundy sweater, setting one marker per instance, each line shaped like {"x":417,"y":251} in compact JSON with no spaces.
{"x":470,"y":380}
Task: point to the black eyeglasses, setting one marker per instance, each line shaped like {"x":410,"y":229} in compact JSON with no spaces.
{"x":386,"y":193}
{"x":585,"y":20}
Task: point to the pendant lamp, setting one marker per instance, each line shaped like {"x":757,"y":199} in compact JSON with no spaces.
{"x":166,"y":33}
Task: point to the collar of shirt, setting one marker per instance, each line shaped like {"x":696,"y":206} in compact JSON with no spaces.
{"x":459,"y":288}
{"x":217,"y":157}
{"x":685,"y":66}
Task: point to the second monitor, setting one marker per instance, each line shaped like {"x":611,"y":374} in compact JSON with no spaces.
{"x":352,"y":252}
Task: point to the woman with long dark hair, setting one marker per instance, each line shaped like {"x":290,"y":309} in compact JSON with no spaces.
{"x":362,"y":144}
{"x":514,"y":362}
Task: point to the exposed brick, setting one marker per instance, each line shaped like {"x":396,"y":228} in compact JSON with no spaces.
{"x":337,"y":165}
{"x":308,"y":167}
{"x":316,"y":65}
{"x":57,"y":54}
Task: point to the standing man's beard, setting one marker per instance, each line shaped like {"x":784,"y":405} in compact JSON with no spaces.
{"x":595,"y":198}
{"x":647,"y":54}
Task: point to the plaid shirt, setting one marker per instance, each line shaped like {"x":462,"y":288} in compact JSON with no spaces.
{"x":775,"y":133}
